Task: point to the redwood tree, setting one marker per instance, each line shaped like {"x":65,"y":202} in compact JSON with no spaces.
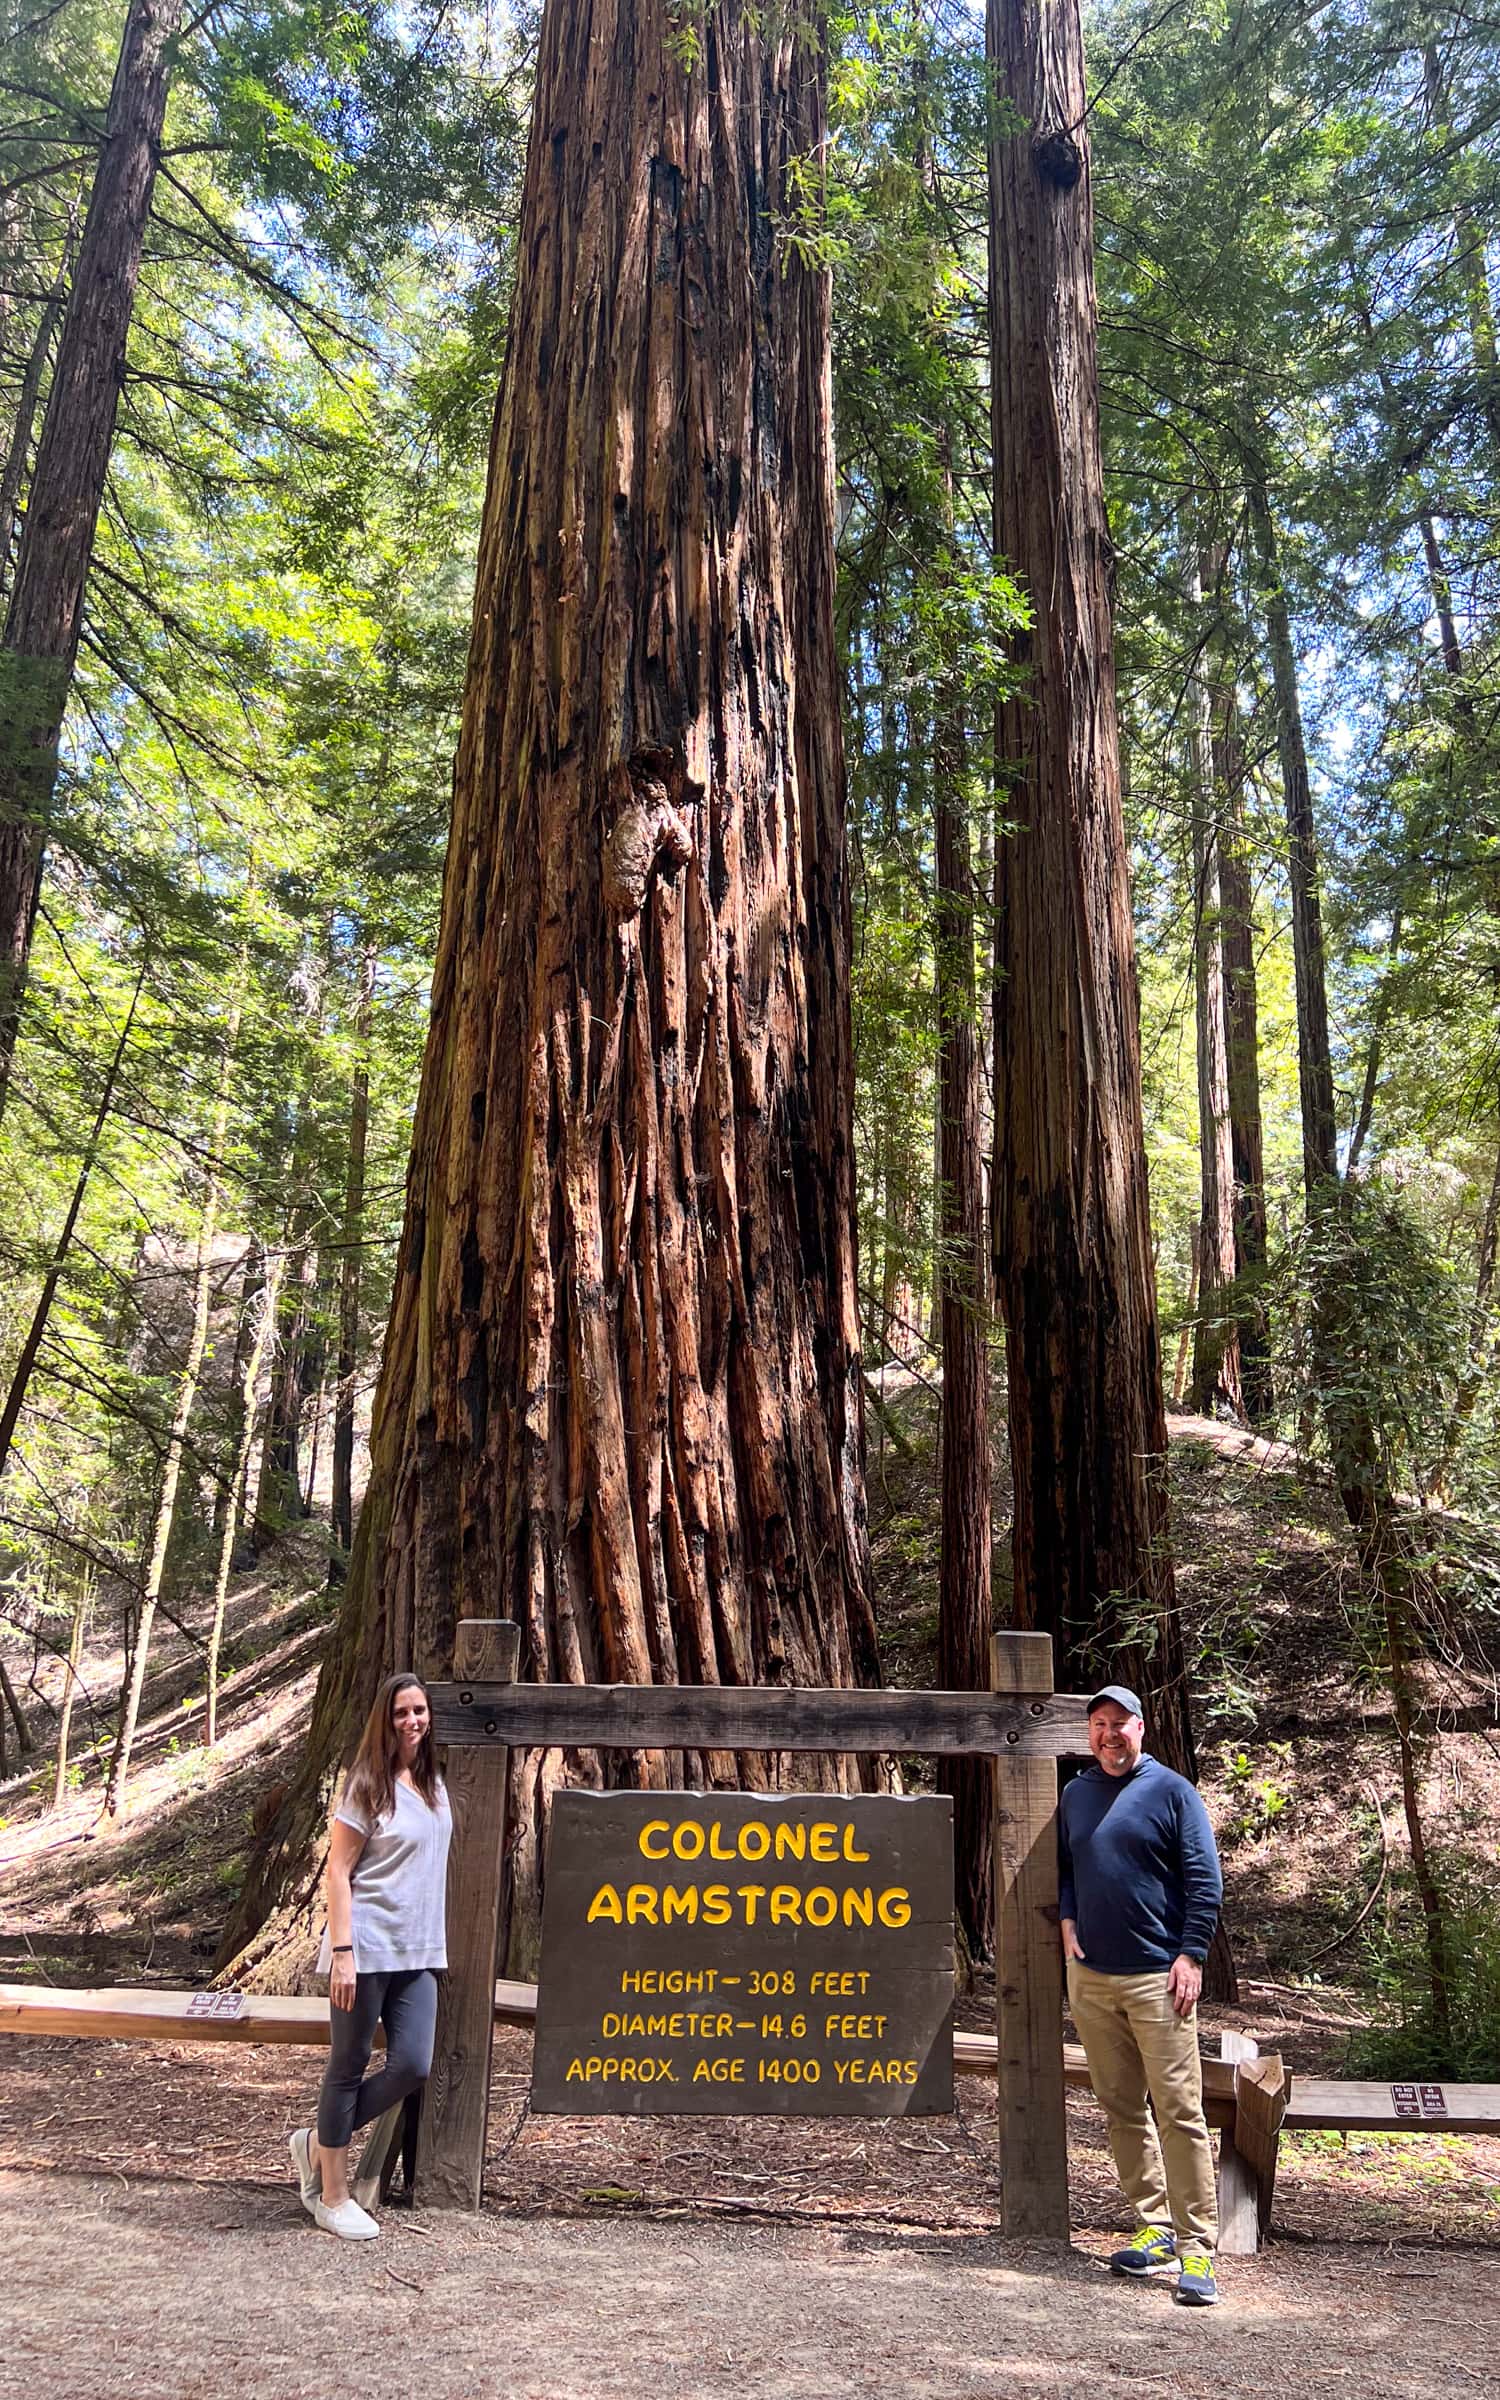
{"x":1073,"y":1267}
{"x":42,"y":624}
{"x":620,"y":1398}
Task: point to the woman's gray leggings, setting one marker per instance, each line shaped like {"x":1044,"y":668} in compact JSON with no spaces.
{"x":406,"y":2003}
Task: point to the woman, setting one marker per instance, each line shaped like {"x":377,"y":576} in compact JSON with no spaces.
{"x":385,"y":1942}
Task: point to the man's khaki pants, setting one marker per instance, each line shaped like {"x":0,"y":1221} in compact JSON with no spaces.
{"x":1136,"y":2043}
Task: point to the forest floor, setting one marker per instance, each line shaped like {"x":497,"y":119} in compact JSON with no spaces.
{"x":152,"y":2241}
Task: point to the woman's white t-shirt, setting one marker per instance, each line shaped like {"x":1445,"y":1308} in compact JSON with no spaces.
{"x":398,"y":1885}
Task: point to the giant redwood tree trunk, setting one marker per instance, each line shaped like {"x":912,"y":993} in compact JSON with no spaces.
{"x":620,"y":1399}
{"x":1073,"y":1266}
{"x":42,"y":624}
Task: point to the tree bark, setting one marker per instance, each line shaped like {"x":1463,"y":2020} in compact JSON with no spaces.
{"x":1314,"y":1055}
{"x":278,"y":1497}
{"x":40,"y":642}
{"x":1071,"y":1231}
{"x":1216,"y":1348}
{"x":25,"y":1739}
{"x":965,"y":1606}
{"x":1185,"y":1337}
{"x":262,"y":1303}
{"x":28,"y":400}
{"x":349,"y":1277}
{"x":620,"y":1400}
{"x":1241,"y":1012}
{"x":76,"y":1631}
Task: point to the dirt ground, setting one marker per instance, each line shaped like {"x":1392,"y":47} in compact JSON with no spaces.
{"x":152,"y":2244}
{"x":165,"y":2291}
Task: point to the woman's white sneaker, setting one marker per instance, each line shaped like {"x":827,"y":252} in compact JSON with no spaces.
{"x":309,"y":2186}
{"x":349,"y":2221}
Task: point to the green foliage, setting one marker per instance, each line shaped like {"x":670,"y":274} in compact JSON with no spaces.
{"x":1373,"y":1329}
{"x":1259,"y":1799}
{"x":1404,"y":2042}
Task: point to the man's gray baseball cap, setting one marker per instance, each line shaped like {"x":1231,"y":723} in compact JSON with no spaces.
{"x":1121,"y":1694}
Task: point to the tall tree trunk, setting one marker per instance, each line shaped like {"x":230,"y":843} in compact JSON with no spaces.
{"x":1185,"y":1337}
{"x":28,"y":401}
{"x":1314,"y":1055}
{"x":1216,"y":1348}
{"x":261,"y":1306}
{"x":187,"y":1393}
{"x":25,"y":1739}
{"x":1072,"y":1239}
{"x":15,"y":1398}
{"x":82,"y":1603}
{"x":349,"y":1278}
{"x":621,"y":1400}
{"x":1353,"y":1444}
{"x":1241,"y":1013}
{"x":40,"y":641}
{"x":278,"y":1499}
{"x":965,"y":1608}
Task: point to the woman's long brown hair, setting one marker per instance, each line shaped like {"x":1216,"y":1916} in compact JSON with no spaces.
{"x":371,"y":1784}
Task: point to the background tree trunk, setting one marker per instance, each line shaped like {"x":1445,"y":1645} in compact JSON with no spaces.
{"x":349,"y":1279}
{"x":965,"y":1607}
{"x":1314,"y":1056}
{"x":621,"y":1399}
{"x":1072,"y":1241}
{"x":260,"y":1312}
{"x":187,"y":1392}
{"x":278,"y":1497}
{"x":1241,"y":1013}
{"x":67,"y":485}
{"x":1216,"y":1347}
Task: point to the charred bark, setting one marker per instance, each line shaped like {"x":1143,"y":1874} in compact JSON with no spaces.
{"x":620,"y":1399}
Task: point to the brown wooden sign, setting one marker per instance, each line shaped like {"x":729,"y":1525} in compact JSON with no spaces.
{"x":1418,"y":2100}
{"x":727,"y":1954}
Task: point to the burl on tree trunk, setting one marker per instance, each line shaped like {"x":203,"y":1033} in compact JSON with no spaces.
{"x":620,"y":1400}
{"x":1073,"y":1267}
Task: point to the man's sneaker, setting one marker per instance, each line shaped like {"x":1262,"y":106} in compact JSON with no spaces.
{"x":348,"y":2221}
{"x":309,"y":2181}
{"x":1146,"y":2253}
{"x":1196,"y":2287}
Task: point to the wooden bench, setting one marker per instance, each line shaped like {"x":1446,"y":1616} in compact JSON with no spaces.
{"x":1249,"y":2100}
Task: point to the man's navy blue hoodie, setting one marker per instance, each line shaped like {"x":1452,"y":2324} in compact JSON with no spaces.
{"x":1137,"y":1870}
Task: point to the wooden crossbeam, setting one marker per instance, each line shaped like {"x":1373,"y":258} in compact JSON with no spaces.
{"x":649,"y":1716}
{"x":144,"y":2016}
{"x":112,"y":2015}
{"x":1320,"y":2105}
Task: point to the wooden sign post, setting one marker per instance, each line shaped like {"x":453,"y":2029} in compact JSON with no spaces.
{"x":1028,"y":1963}
{"x":456,"y":2103}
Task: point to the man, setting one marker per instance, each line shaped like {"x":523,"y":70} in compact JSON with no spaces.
{"x":1139,"y":1894}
